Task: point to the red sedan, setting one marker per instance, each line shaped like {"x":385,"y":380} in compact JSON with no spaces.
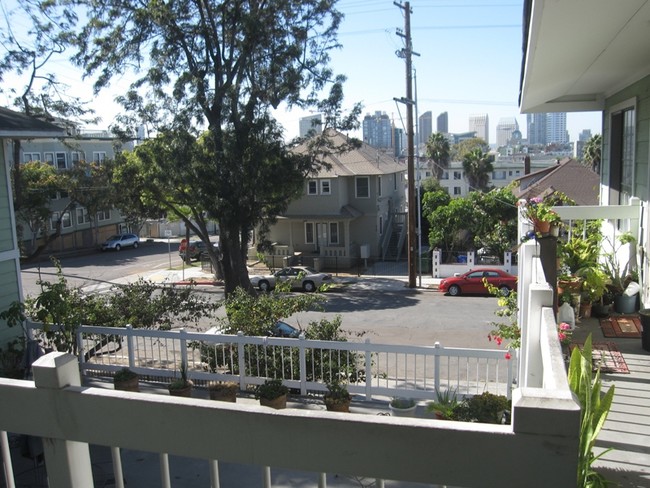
{"x":472,"y":282}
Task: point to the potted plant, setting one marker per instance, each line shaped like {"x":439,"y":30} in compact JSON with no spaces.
{"x":402,"y":407}
{"x":620,"y":276}
{"x":181,"y":386}
{"x":337,"y":398}
{"x":126,"y":380}
{"x":594,"y":286}
{"x":445,"y":404}
{"x":539,"y":213}
{"x":486,"y":408}
{"x":272,"y":393}
{"x":223,"y":391}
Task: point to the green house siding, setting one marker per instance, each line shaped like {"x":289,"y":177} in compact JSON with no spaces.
{"x":640,"y":92}
{"x":8,"y":294}
{"x":6,"y":232}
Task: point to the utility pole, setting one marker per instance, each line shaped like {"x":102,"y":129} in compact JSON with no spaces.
{"x":407,"y":54}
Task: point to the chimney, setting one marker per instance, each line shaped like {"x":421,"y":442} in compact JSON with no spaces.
{"x":527,"y":165}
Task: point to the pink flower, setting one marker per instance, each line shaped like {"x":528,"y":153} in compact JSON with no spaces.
{"x":508,"y":356}
{"x":499,"y":340}
{"x":562,"y":336}
{"x":565,"y":326}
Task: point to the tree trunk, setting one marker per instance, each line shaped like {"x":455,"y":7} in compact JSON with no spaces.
{"x":234,"y":260}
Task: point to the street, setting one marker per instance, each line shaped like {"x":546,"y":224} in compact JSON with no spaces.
{"x":380,"y":308}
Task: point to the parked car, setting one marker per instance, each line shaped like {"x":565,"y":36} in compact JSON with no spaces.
{"x":196,"y":249}
{"x":118,"y":241}
{"x":303,"y":277}
{"x":472,"y":282}
{"x":282,"y":329}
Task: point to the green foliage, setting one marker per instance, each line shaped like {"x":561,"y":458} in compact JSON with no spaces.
{"x":618,"y":273}
{"x":458,"y":151}
{"x":478,"y":168}
{"x":399,"y":402}
{"x":337,"y":392}
{"x":505,"y":331}
{"x":486,"y":408}
{"x":445,"y":404}
{"x":438,"y":151}
{"x":124,"y":374}
{"x":591,"y":153}
{"x":271,"y":389}
{"x":594,"y":410}
{"x":183,"y":381}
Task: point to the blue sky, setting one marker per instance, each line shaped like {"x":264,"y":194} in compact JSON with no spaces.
{"x":469,"y":63}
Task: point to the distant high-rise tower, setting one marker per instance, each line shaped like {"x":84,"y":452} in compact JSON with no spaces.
{"x":442,"y":123}
{"x":480,"y":123}
{"x":398,"y":141}
{"x":377,"y":130}
{"x":556,"y":132}
{"x":505,"y":128}
{"x":311,"y":123}
{"x":425,"y":126}
{"x":583,"y":137}
{"x":536,"y":127}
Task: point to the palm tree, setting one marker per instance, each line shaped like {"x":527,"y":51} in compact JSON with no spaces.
{"x":477,"y":166}
{"x":591,"y":152}
{"x":438,"y":152}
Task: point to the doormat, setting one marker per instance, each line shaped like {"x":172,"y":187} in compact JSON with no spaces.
{"x":606,"y":356}
{"x":621,"y":326}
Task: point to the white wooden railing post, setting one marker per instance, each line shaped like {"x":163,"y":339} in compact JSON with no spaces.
{"x":183,"y":342}
{"x":302,"y":343}
{"x":368,"y":367}
{"x":118,"y":475}
{"x":130,"y":343}
{"x":68,"y":462}
{"x":241,"y":360}
{"x":214,"y":474}
{"x":165,"y":479}
{"x":6,"y":460}
{"x":436,"y":362}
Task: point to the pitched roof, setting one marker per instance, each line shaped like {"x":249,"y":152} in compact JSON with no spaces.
{"x":362,"y":161}
{"x":575,"y":180}
{"x":17,"y":125}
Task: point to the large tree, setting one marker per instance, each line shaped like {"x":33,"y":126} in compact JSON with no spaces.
{"x":221,"y":66}
{"x":477,"y":166}
{"x":438,"y":151}
{"x":591,"y":153}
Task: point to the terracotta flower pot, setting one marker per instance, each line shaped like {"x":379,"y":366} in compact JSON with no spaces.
{"x":278,"y":403}
{"x":132,"y":384}
{"x":337,"y":405}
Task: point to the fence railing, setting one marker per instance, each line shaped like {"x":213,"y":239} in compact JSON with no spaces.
{"x":371,"y":369}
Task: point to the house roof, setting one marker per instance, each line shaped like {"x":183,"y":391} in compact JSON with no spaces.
{"x":17,"y":125}
{"x":577,"y":53}
{"x":362,"y":161}
{"x":575,"y":180}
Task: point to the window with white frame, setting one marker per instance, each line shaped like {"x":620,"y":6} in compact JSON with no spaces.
{"x":54,"y":218}
{"x":325,"y":187}
{"x":457,"y":190}
{"x":48,"y":158}
{"x":82,"y":216}
{"x":99,"y":156}
{"x":33,"y":156}
{"x":621,"y":153}
{"x":61,"y":160}
{"x":66,"y":220}
{"x":362,"y":186}
{"x":334,"y":232}
{"x":309,"y":233}
{"x":75,"y":157}
{"x":312,"y":187}
{"x":103,"y":215}
{"x":458,"y":175}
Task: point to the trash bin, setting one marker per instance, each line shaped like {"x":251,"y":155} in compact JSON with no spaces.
{"x":644,"y":315}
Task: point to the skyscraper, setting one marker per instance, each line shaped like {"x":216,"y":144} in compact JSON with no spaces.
{"x":425,"y":126}
{"x":377,"y":130}
{"x":556,"y":132}
{"x":505,"y":128}
{"x":536,"y":127}
{"x":442,"y":123}
{"x":311,"y":123}
{"x":480,"y":123}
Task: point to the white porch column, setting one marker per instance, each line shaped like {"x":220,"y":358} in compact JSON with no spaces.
{"x":68,"y":462}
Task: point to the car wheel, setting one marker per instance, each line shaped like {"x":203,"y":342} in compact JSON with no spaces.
{"x":454,"y":290}
{"x":504,"y":290}
{"x":308,"y":286}
{"x":264,"y":285}
{"x":135,"y":245}
{"x":118,"y":247}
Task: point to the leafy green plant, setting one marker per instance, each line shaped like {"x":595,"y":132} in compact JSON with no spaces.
{"x":399,"y":402}
{"x":337,"y":392}
{"x":505,"y":331}
{"x":594,"y":410}
{"x":486,"y":407}
{"x":271,"y":389}
{"x":183,"y":381}
{"x":446,"y":402}
{"x":125,"y":374}
{"x":617,"y":272}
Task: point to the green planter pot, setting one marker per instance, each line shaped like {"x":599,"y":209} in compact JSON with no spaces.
{"x":625,"y":304}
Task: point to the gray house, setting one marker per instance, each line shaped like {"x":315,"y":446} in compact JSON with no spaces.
{"x":606,"y":69}
{"x":13,"y":125}
{"x":354,"y":209}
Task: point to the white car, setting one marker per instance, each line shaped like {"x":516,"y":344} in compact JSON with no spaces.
{"x":302,"y":277}
{"x":119,"y":241}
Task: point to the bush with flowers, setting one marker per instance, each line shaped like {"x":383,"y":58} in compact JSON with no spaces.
{"x":537,"y":210}
{"x":564,"y":333}
{"x":505,"y":331}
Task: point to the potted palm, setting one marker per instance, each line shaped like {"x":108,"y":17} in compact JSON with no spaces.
{"x":224,"y":391}
{"x":272,"y":393}
{"x":337,"y":398}
{"x":402,"y":407}
{"x":181,"y":386}
{"x":126,"y":380}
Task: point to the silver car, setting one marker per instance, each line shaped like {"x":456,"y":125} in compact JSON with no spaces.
{"x":118,"y":241}
{"x":302,"y":277}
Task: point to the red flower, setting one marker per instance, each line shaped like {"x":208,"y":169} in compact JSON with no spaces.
{"x":499,"y":341}
{"x":508,"y":356}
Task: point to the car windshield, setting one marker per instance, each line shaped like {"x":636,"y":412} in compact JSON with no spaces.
{"x":114,"y":238}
